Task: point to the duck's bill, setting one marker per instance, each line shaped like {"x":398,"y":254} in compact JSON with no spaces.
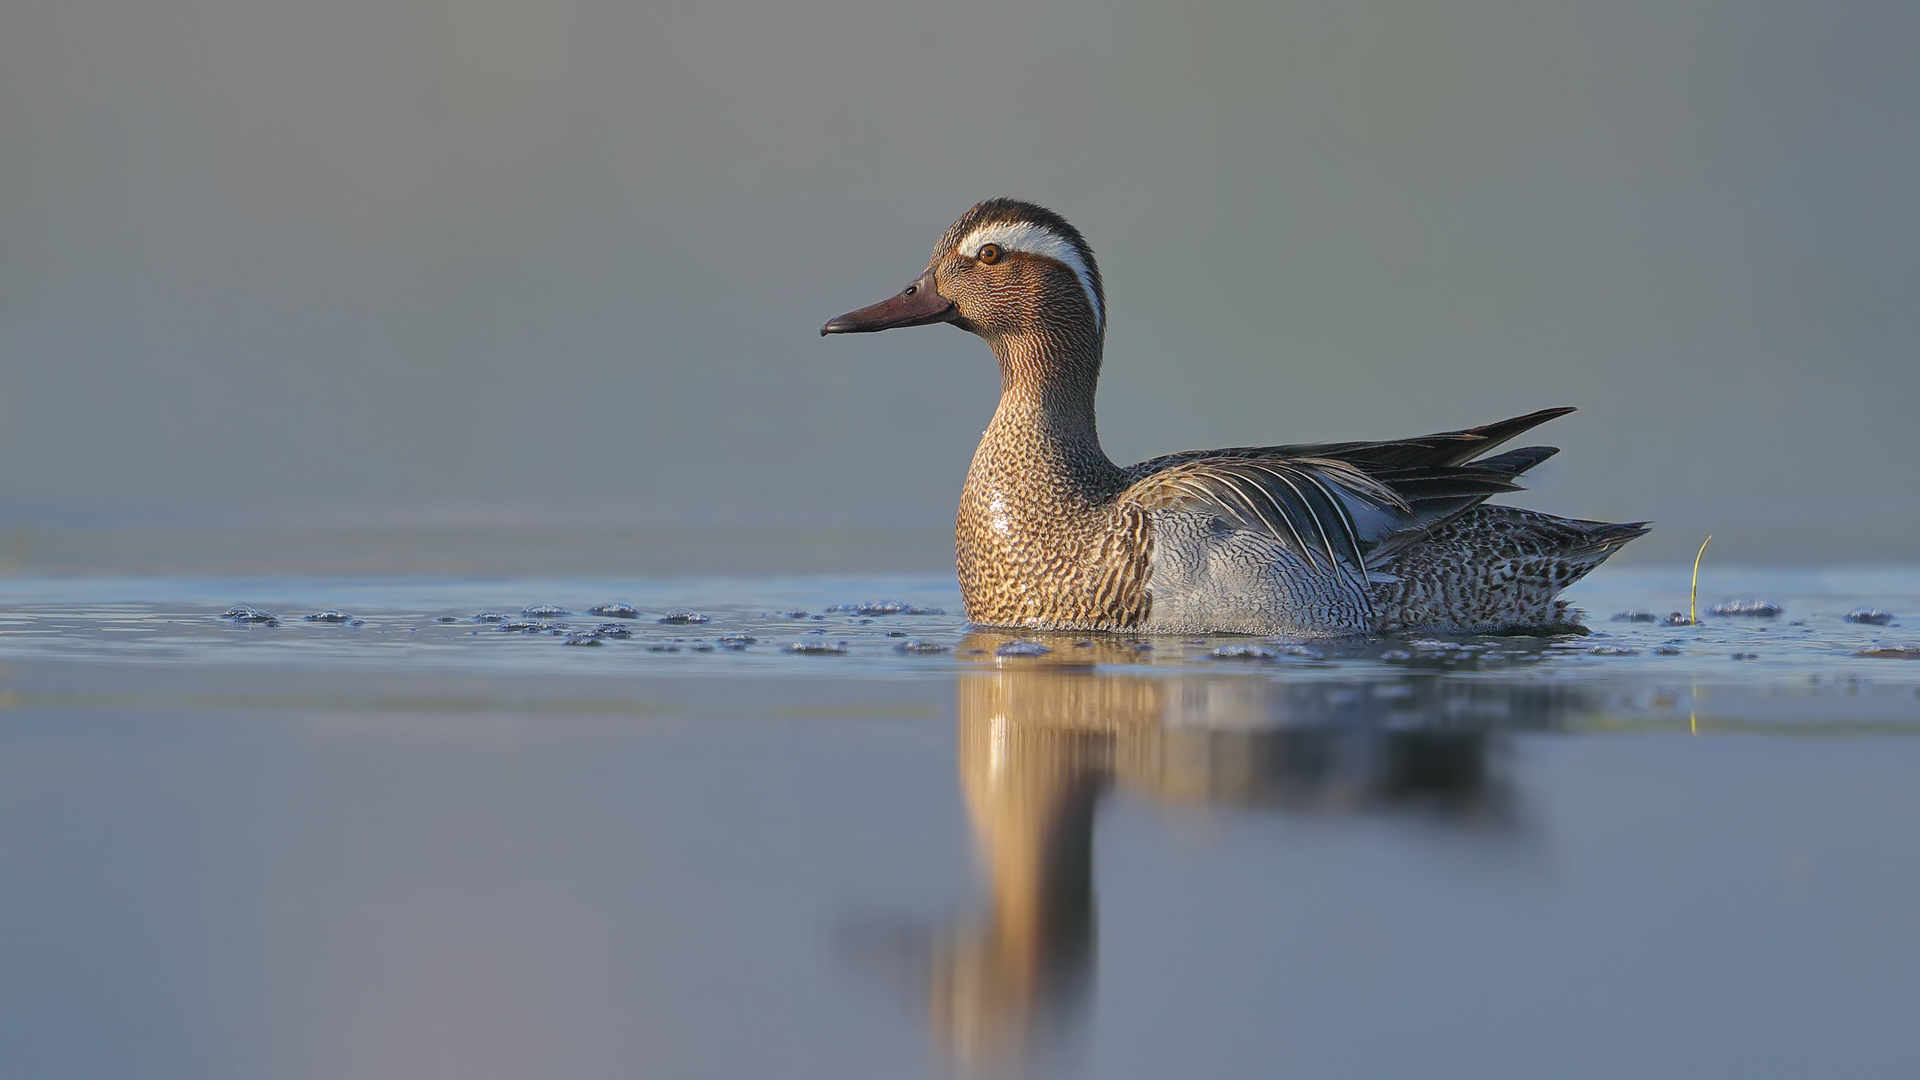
{"x":916,"y":305}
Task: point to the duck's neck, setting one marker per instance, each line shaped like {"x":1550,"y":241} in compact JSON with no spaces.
{"x":1035,"y":536}
{"x":1044,"y":429}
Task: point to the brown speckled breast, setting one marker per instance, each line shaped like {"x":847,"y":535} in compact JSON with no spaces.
{"x":1041,"y":539}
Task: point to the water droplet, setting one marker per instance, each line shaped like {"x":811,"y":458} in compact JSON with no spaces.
{"x":873,"y":607}
{"x":818,"y":648}
{"x":1750,"y":609}
{"x":1892,"y":652}
{"x":1022,"y":648}
{"x":1243,"y":652}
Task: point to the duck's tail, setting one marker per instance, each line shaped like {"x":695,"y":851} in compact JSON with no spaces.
{"x":1493,"y":568}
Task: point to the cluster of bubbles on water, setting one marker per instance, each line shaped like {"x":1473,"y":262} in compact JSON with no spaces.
{"x":621,"y":621}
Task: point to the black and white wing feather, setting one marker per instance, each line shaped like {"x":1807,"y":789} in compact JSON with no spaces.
{"x":1348,"y":505}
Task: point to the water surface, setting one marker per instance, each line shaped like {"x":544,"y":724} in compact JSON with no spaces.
{"x":425,"y":848}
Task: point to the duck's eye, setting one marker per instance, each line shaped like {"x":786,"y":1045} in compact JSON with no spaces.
{"x":989,"y":254}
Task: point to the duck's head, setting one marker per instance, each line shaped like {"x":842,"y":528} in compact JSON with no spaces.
{"x":1006,"y":270}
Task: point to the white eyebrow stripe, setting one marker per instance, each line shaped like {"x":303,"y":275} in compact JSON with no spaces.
{"x":1036,"y":240}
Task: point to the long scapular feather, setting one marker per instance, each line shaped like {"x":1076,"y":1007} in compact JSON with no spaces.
{"x":1314,"y":485}
{"x":1308,"y":505}
{"x":1439,"y":450}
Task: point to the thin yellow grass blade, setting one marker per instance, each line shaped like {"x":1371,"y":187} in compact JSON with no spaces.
{"x":1693,"y":599}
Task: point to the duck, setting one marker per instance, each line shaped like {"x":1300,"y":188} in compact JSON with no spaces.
{"x":1302,"y":541}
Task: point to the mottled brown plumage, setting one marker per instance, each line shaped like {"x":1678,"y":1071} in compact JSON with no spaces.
{"x":1359,"y":537}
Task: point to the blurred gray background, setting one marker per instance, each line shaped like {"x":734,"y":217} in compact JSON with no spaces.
{"x":424,"y":284}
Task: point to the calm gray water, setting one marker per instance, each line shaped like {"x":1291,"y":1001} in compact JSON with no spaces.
{"x":419,"y":848}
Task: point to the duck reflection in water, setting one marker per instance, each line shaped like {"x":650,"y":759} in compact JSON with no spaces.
{"x":1042,"y":739}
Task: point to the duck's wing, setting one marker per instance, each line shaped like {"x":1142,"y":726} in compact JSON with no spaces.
{"x":1345,"y":503}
